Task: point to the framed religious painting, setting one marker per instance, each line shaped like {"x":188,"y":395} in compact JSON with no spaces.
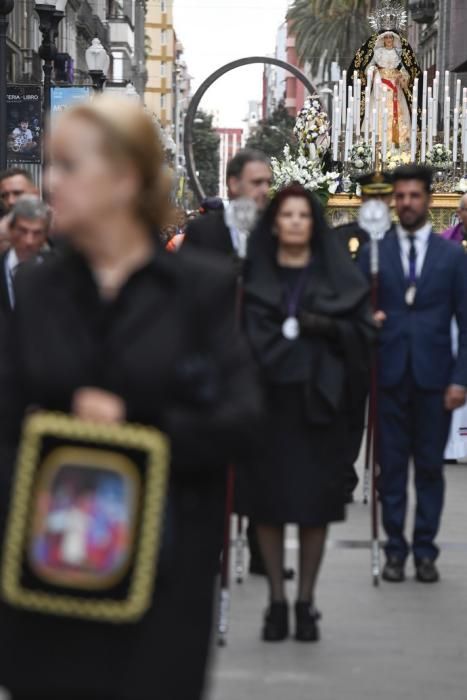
{"x":86,"y":519}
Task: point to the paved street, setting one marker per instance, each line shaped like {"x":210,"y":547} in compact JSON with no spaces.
{"x":406,"y":642}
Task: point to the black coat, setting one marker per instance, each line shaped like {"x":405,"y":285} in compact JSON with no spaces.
{"x":210,"y":232}
{"x":310,"y":383}
{"x":353,"y":237}
{"x":166,"y":345}
{"x":5,"y":303}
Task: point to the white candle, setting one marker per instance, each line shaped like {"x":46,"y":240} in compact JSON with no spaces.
{"x":423,"y":143}
{"x":464,"y":126}
{"x":447,"y":121}
{"x":373,"y":135}
{"x":358,"y":103}
{"x":344,"y":98}
{"x":430,"y":123}
{"x":447,"y":83}
{"x":348,"y":134}
{"x":425,"y":89}
{"x":335,"y":153}
{"x":415,"y":95}
{"x":351,"y":115}
{"x":458,"y":95}
{"x":367,"y":112}
{"x":355,"y":88}
{"x":384,"y":148}
{"x":455,"y":138}
{"x":435,"y":103}
{"x":413,"y":136}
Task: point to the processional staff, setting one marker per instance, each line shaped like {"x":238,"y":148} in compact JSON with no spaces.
{"x":241,"y":217}
{"x":375,"y":218}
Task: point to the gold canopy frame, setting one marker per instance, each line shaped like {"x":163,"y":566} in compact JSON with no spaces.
{"x":343,"y":208}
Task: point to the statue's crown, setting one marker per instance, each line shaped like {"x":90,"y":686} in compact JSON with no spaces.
{"x":391,"y":16}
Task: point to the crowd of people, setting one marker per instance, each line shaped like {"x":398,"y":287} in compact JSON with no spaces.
{"x":262,"y":361}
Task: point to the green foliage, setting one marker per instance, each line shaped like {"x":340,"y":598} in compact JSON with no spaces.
{"x":206,"y":152}
{"x":329,"y":30}
{"x":273,"y":133}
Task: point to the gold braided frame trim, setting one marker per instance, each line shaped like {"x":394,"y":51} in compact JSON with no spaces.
{"x":146,"y":549}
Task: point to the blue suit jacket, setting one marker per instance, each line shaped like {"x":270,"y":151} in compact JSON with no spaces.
{"x":419,"y":337}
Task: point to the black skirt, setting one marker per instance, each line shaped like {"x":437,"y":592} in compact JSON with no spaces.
{"x":299,"y":477}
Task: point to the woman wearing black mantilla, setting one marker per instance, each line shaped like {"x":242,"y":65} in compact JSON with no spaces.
{"x":308,"y":321}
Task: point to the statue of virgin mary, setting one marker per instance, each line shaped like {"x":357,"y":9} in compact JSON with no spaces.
{"x":387,"y":62}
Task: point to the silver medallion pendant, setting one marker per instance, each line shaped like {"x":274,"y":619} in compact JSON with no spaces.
{"x":410,"y":295}
{"x":291,"y":328}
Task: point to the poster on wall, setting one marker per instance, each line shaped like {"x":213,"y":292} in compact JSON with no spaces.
{"x":67,"y":96}
{"x":24,"y":123}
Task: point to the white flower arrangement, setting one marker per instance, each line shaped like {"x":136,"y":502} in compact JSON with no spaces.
{"x":394,"y":159}
{"x":439,"y":157}
{"x":361,"y":156}
{"x":312,"y":127}
{"x":461,"y":186}
{"x":307,"y":172}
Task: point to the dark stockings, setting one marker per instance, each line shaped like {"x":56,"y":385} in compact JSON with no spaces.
{"x":271,"y":544}
{"x":312,"y":543}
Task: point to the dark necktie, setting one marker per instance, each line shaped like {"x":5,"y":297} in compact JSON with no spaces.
{"x":412,"y":260}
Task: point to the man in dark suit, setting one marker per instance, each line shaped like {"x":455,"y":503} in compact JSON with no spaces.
{"x":248,"y":175}
{"x":422,"y":286}
{"x":28,"y":229}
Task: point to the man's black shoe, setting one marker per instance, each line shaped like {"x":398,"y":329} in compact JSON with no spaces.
{"x":393,"y":570}
{"x":426,"y":571}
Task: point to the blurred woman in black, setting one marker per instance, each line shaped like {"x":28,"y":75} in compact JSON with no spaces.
{"x":115,"y":329}
{"x":309,"y":323}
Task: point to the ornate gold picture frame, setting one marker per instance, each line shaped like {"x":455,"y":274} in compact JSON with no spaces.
{"x":58,"y":452}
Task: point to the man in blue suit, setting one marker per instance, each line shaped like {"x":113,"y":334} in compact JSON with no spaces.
{"x":422,"y":286}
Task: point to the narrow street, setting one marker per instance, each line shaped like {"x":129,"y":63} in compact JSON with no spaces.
{"x":398,"y":642}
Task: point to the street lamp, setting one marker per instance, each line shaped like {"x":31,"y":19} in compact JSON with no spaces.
{"x":50,"y":13}
{"x":6,"y":7}
{"x":98,"y":62}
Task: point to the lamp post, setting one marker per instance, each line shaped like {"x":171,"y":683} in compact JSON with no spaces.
{"x":50,"y":13}
{"x":98,"y":62}
{"x":6,"y":7}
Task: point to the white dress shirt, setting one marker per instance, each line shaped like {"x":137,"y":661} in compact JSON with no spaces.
{"x":421,"y":238}
{"x":11,"y":263}
{"x":234,"y":233}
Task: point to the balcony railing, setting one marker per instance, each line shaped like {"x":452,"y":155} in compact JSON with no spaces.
{"x":423,"y":11}
{"x":90,"y":24}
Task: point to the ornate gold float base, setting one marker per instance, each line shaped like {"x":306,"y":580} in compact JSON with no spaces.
{"x":342,"y":209}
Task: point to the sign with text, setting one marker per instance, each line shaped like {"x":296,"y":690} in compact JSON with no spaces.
{"x":63,"y":98}
{"x":24,"y":123}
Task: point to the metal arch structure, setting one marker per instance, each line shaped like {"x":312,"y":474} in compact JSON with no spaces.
{"x":199,"y":94}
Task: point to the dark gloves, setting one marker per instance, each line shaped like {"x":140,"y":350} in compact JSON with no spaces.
{"x":316,"y":324}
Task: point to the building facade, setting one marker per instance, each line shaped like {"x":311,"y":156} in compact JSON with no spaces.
{"x":119,"y":24}
{"x":161,"y":60}
{"x":231,"y":141}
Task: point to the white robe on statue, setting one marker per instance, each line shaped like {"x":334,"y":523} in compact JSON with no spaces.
{"x":384,"y":67}
{"x":457,"y":443}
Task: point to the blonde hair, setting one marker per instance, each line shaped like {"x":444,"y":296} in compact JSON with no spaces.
{"x":129,"y":134}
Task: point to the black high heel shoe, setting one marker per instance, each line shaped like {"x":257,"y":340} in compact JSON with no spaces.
{"x":276,"y":622}
{"x":306,"y":617}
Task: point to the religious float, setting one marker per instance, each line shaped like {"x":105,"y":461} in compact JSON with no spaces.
{"x":385,"y":112}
